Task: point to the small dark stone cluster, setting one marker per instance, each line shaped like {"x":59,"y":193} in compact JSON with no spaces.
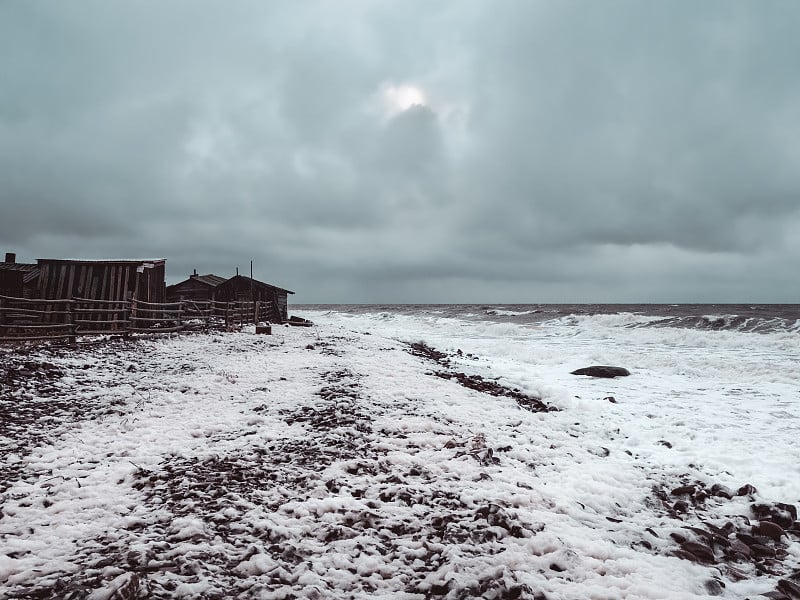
{"x":487,"y":386}
{"x":33,"y":407}
{"x":476,"y":382}
{"x":423,"y":350}
{"x":739,"y":546}
{"x":339,"y":409}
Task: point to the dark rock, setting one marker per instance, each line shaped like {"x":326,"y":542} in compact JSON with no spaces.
{"x":722,"y":491}
{"x":684,"y":555}
{"x":678,"y":537}
{"x":720,"y":531}
{"x":789,"y":508}
{"x":769,"y":529}
{"x":746,"y":490}
{"x":761,"y":550}
{"x":795,"y":577}
{"x":684,"y":490}
{"x":611,"y":399}
{"x":714,"y":587}
{"x":665,"y":443}
{"x":739,"y":547}
{"x":701,"y":551}
{"x":747,"y":538}
{"x":602,"y":371}
{"x":790,"y":588}
{"x":299,"y":322}
{"x":440,"y":589}
{"x":779,"y":513}
{"x":702,"y":534}
{"x":681,"y":506}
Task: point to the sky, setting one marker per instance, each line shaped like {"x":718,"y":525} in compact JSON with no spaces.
{"x":412,"y":151}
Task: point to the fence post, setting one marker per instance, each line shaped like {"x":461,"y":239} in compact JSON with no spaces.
{"x":69,"y":319}
{"x":131,"y":317}
{"x":256,"y":312}
{"x":2,"y":317}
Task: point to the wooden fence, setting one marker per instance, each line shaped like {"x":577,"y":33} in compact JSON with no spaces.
{"x":23,"y":320}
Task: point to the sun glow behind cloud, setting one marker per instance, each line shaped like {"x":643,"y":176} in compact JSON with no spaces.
{"x":399,"y":98}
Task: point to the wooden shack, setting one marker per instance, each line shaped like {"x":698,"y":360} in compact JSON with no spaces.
{"x":197,"y":288}
{"x":18,"y":279}
{"x":240,"y":287}
{"x":102,"y":279}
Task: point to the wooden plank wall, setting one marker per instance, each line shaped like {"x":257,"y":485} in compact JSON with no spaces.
{"x":101,"y":281}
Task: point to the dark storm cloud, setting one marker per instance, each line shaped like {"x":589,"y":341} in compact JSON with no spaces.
{"x":415,"y":151}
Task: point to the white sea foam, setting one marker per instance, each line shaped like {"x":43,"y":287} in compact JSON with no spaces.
{"x":726,"y":399}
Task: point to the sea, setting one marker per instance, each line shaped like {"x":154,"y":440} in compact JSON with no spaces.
{"x":754,"y":318}
{"x":714,"y":388}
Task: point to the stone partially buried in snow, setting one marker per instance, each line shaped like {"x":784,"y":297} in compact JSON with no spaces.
{"x":602,"y":371}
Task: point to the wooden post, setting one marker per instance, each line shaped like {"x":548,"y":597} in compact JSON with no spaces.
{"x":131,"y":317}
{"x":256,"y":312}
{"x":69,"y":318}
{"x":2,"y":317}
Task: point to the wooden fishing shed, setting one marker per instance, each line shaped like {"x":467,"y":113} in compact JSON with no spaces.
{"x":197,"y":287}
{"x":240,"y":288}
{"x":123,"y":279}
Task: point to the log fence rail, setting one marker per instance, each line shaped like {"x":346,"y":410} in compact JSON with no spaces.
{"x":26,"y":319}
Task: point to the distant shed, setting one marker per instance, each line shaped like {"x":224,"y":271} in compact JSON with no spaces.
{"x":18,"y":279}
{"x":244,"y":288}
{"x":142,"y":279}
{"x":197,"y":287}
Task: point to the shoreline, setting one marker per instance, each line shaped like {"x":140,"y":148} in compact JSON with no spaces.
{"x":326,"y":463}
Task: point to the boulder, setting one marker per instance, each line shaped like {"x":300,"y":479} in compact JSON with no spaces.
{"x":602,"y":371}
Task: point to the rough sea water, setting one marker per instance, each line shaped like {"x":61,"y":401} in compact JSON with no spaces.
{"x":761,"y":318}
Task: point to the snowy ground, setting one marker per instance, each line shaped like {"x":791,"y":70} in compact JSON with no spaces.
{"x":327,"y":463}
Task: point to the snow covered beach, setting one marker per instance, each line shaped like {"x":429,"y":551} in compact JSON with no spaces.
{"x":334,"y":462}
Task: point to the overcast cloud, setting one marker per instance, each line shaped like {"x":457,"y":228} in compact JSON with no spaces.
{"x":412,"y":151}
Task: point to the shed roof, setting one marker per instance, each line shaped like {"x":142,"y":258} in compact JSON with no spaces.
{"x":15,"y":266}
{"x":210,"y":280}
{"x":110,"y":261}
{"x":246,"y":280}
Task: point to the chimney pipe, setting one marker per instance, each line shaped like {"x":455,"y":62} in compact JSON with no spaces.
{"x":11,"y":257}
{"x":195,"y":273}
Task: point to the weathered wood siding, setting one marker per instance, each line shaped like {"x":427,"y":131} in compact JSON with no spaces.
{"x":243,"y":288}
{"x":191,"y":289}
{"x":102,"y":280}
